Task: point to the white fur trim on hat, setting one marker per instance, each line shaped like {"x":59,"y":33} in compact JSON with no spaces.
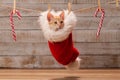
{"x":60,"y":35}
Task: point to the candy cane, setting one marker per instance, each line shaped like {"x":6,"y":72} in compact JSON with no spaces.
{"x":101,"y":20}
{"x":12,"y":22}
{"x":14,"y":11}
{"x":99,"y":9}
{"x":12,"y":26}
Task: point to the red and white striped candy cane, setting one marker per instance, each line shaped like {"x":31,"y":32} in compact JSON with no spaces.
{"x":101,"y":20}
{"x":12,"y":22}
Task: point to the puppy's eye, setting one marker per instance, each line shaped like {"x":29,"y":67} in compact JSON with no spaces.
{"x":61,"y":22}
{"x":55,"y":22}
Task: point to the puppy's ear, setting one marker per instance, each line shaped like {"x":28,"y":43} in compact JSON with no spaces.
{"x":62,"y":15}
{"x":49,"y":16}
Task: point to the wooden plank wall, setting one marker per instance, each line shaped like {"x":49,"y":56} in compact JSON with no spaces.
{"x":31,"y":50}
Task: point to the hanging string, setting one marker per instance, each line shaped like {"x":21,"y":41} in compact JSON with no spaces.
{"x":14,"y":11}
{"x":99,"y":9}
{"x":24,"y":9}
{"x":14,"y":6}
{"x":117,"y":3}
{"x":69,"y":7}
{"x":38,"y":11}
{"x":99,"y":4}
{"x":49,"y":7}
{"x":84,"y":9}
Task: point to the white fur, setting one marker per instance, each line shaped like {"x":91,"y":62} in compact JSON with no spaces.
{"x":60,"y":35}
{"x":74,"y":65}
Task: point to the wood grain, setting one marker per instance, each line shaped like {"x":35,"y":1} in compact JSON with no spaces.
{"x":48,"y":61}
{"x":85,"y":23}
{"x":78,"y":36}
{"x":59,"y":74}
{"x":35,"y":8}
{"x":90,"y":36}
{"x":31,"y":49}
{"x":57,"y":1}
{"x":42,"y":49}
